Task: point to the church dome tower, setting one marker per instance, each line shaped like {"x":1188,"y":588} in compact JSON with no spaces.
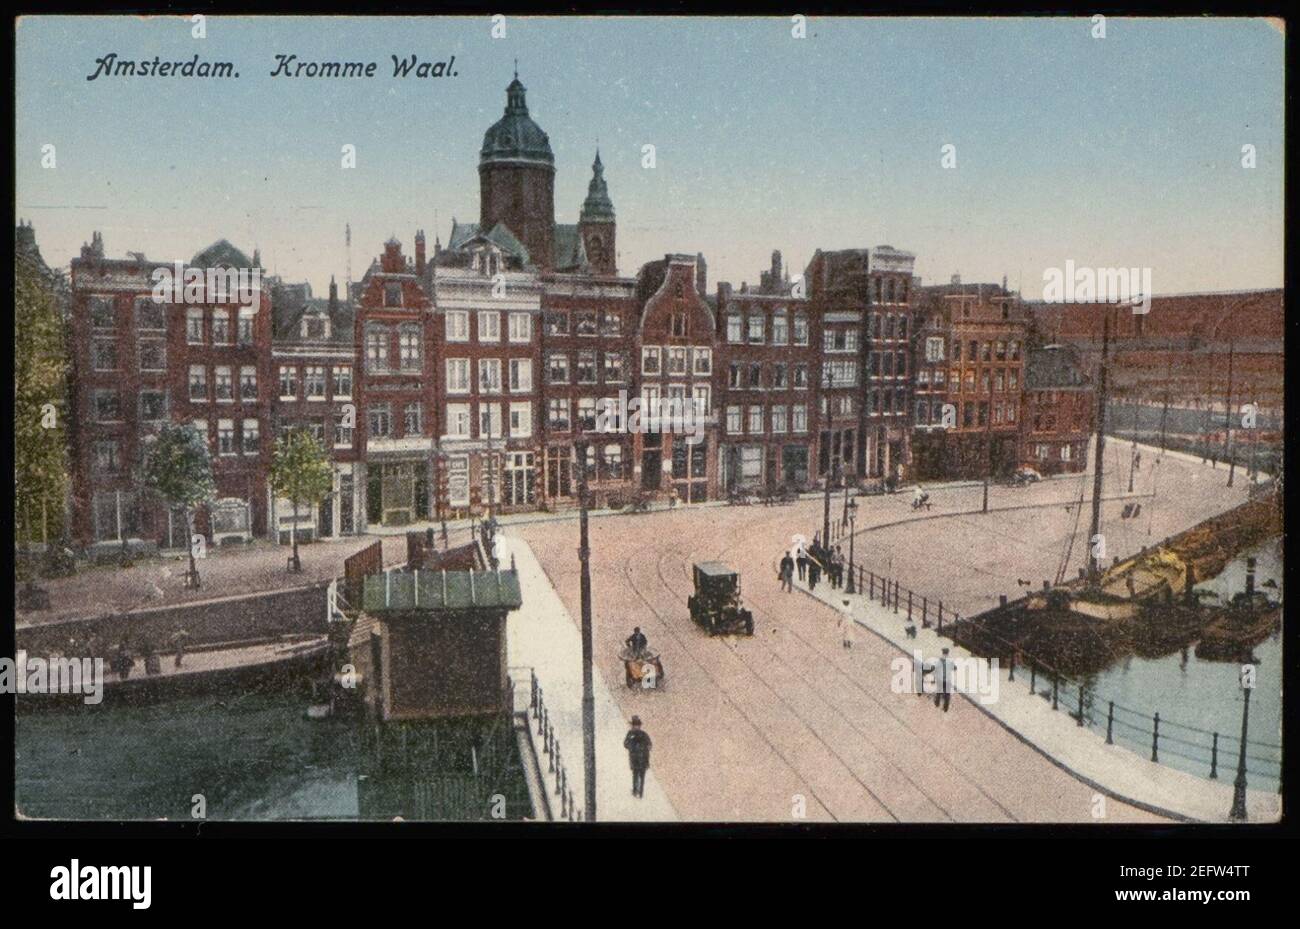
{"x":516,"y":172}
{"x":596,"y":223}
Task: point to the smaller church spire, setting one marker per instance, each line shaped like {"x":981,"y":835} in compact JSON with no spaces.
{"x":597,"y":206}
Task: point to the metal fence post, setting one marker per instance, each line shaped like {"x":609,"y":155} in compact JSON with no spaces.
{"x":925,"y":613}
{"x":909,"y":606}
{"x":1055,"y":682}
{"x":1155,"y":739}
{"x":1080,"y":703}
{"x":1110,"y":723}
{"x":940,"y":617}
{"x":1033,"y":678}
{"x":1214,"y":758}
{"x":895,"y":597}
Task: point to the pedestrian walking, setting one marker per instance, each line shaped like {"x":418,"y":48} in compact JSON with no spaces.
{"x":801,"y":561}
{"x":943,"y":681}
{"x":848,"y":628}
{"x":786,"y":573}
{"x":152,"y":662}
{"x":637,"y":742}
{"x":814,"y":573}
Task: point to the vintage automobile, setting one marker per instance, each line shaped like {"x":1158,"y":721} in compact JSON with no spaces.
{"x":716,"y":604}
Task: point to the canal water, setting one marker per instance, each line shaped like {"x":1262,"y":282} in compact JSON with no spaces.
{"x":1207,"y":695}
{"x":251,"y":757}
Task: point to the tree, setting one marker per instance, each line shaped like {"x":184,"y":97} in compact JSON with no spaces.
{"x":301,"y":473}
{"x":40,"y":369}
{"x":178,"y":467}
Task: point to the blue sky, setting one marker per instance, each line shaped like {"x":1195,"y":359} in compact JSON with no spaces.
{"x":1122,"y":151}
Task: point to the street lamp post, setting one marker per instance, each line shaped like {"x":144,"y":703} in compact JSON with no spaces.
{"x":826,"y":507}
{"x":1238,"y":813}
{"x":852,"y":507}
{"x":588,"y":692}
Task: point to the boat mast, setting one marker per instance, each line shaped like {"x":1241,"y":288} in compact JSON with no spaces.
{"x":1094,"y":563}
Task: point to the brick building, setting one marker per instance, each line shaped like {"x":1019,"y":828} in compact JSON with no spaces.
{"x":1058,"y":411}
{"x":969,"y":356}
{"x":137,"y":362}
{"x":767,"y":362}
{"x":314,"y":365}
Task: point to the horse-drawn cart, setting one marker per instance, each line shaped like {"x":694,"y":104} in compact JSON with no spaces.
{"x":643,"y":669}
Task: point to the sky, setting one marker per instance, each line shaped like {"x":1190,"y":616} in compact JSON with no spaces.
{"x":1122,"y":151}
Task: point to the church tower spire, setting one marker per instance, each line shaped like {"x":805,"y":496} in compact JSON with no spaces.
{"x":596,"y":222}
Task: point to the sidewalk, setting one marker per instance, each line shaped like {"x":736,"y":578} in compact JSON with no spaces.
{"x":1110,"y":769}
{"x":542,"y":635}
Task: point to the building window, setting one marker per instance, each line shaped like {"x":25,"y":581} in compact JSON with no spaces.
{"x":489,"y":375}
{"x":557,"y":323}
{"x":613,"y":367}
{"x":288,"y":383}
{"x":934,"y":348}
{"x":489,"y":420}
{"x":107,"y":456}
{"x":557,"y":368}
{"x":408,"y":345}
{"x":755,"y":425}
{"x":221,"y":334}
{"x":799,"y":418}
{"x":677,"y":362}
{"x":734,"y":324}
{"x":586,"y":414}
{"x":198,"y":383}
{"x":755,"y":379}
{"x":457,"y":326}
{"x":342,"y":387}
{"x":226,"y":437}
{"x":225,"y":383}
{"x":521,"y":375}
{"x":103,"y":313}
{"x":780,"y":328}
{"x":153,"y":355}
{"x":700,"y":394}
{"x":586,"y":370}
{"x":733,"y":420}
{"x":521,"y":420}
{"x":153,"y":406}
{"x":489,"y":326}
{"x":779,"y":422}
{"x":521,"y":327}
{"x":585,"y":323}
{"x":734,"y":373}
{"x":755,"y":329}
{"x":703,"y":358}
{"x":252,"y":436}
{"x":377,"y":349}
{"x":104,"y":354}
{"x":840,"y":373}
{"x":557,"y":415}
{"x":679,"y":325}
{"x":380,"y":417}
{"x":650,"y":360}
{"x":800,"y":329}
{"x":780,"y":376}
{"x":393,"y":295}
{"x":413,"y":419}
{"x":149,"y":314}
{"x":246,"y":317}
{"x":343,"y":430}
{"x":458,"y":420}
{"x":611,"y":323}
{"x":800,"y":377}
{"x":457,"y":375}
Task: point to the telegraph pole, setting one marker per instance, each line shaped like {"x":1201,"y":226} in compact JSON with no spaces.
{"x":1094,"y":563}
{"x":1227,"y":420}
{"x":588,"y":694}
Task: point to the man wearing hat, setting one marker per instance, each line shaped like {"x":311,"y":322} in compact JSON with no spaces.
{"x":637,"y":744}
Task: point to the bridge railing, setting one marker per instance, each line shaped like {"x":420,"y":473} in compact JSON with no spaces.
{"x":529,"y":698}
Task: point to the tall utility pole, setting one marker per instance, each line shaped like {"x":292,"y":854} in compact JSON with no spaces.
{"x":826,"y":507}
{"x":1132,"y":457}
{"x":1094,"y":563}
{"x":988,"y":442}
{"x":588,"y":693}
{"x":1227,"y":419}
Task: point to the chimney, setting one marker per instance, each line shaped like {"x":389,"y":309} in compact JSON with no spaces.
{"x":776,"y":269}
{"x":419,"y":253}
{"x":701,"y":274}
{"x":334,"y":295}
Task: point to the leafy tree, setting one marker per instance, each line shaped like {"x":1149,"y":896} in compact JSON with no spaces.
{"x":301,"y":473}
{"x":40,"y":371}
{"x":178,"y":467}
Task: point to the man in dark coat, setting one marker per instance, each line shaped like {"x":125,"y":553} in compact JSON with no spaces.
{"x":636,"y":642}
{"x":814,"y":573}
{"x":786,"y":572}
{"x":637,"y":743}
